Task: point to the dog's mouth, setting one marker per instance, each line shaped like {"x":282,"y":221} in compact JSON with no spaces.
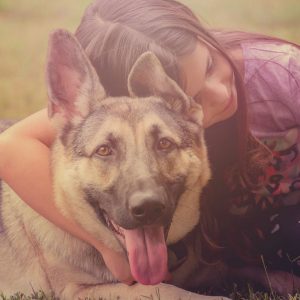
{"x":146,"y":250}
{"x":112,"y":225}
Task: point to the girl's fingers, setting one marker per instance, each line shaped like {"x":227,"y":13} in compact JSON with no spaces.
{"x":117,"y":264}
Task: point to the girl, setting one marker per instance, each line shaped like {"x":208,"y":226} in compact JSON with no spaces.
{"x":249,"y":87}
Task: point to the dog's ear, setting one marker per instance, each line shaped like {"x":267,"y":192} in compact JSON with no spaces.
{"x":148,"y":78}
{"x":73,"y":85}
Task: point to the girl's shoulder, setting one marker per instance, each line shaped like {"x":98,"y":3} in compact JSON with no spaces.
{"x":272,"y":82}
{"x":271,"y":58}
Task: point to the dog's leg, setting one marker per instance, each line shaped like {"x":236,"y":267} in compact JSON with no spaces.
{"x":121,"y":291}
{"x":72,"y":283}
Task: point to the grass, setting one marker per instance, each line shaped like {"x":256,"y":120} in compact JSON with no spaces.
{"x":248,"y":294}
{"x":35,"y":295}
{"x":26,"y":24}
{"x":252,"y":294}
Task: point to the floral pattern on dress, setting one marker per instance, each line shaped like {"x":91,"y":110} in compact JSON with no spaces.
{"x":283,"y":177}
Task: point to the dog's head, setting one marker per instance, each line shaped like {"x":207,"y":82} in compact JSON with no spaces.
{"x":127,"y":169}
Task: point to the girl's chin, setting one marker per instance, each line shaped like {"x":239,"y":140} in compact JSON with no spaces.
{"x":225,"y":114}
{"x":230,"y":108}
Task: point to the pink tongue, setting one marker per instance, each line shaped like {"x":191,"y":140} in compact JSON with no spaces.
{"x":147,"y":253}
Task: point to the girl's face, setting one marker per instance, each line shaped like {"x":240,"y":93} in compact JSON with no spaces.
{"x":210,"y":81}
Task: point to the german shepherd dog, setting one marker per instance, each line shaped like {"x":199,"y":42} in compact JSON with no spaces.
{"x":129,"y":170}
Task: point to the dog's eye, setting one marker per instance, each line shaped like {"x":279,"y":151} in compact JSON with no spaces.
{"x":104,"y":150}
{"x":164,"y":144}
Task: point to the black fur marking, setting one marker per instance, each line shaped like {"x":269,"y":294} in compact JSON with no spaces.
{"x":92,"y":200}
{"x":85,"y":131}
{"x":65,"y":134}
{"x":91,"y":197}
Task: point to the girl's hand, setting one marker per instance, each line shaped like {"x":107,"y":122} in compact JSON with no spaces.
{"x":117,"y":264}
{"x":25,"y":166}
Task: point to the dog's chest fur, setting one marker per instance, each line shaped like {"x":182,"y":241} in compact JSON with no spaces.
{"x":35,"y":248}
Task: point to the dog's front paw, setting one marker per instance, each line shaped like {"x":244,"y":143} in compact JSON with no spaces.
{"x":121,"y":291}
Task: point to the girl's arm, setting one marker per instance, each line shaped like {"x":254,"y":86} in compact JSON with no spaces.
{"x":25,"y":167}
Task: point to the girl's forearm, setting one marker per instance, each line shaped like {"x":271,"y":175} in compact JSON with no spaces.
{"x":25,"y":167}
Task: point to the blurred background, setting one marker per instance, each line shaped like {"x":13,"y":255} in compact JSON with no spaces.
{"x":26,"y":24}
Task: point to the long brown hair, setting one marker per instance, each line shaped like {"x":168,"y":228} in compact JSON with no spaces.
{"x":115,"y":32}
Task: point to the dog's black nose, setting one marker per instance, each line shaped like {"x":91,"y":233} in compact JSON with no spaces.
{"x":146,"y":210}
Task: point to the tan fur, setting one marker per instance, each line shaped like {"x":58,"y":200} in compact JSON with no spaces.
{"x":34,"y":254}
